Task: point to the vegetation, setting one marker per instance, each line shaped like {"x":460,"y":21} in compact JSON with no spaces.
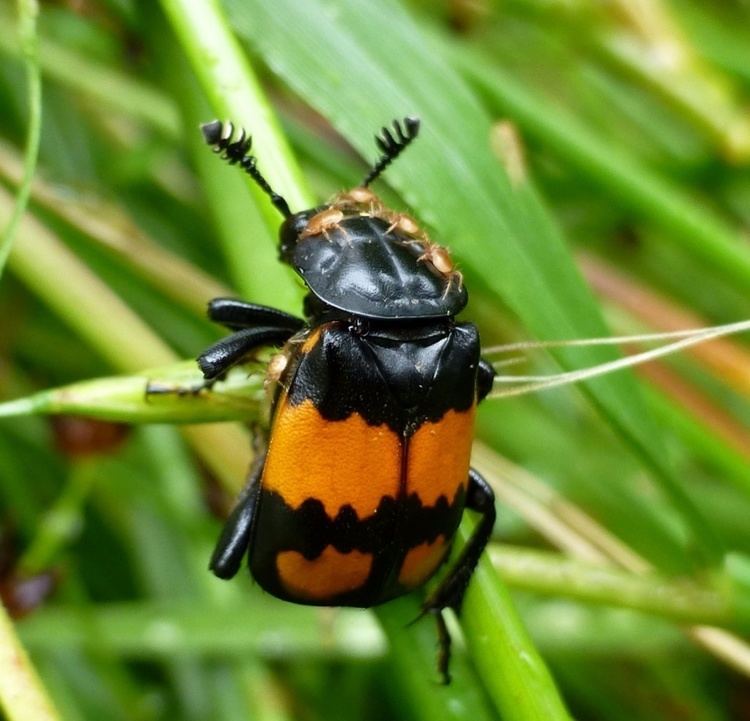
{"x":588,"y":166}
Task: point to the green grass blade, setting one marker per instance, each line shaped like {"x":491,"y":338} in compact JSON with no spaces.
{"x":86,"y":303}
{"x":22,"y":696}
{"x":509,"y":664}
{"x":683,"y":602}
{"x":106,"y":86}
{"x":160,"y":395}
{"x":195,"y":628}
{"x":697,"y":230}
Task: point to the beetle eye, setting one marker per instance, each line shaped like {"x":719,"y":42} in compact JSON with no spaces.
{"x":290,"y":231}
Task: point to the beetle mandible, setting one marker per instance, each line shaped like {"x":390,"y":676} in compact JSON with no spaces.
{"x":365,"y":474}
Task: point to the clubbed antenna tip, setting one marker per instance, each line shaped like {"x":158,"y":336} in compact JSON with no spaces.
{"x":212,"y":131}
{"x":236,"y":152}
{"x":392,"y":143}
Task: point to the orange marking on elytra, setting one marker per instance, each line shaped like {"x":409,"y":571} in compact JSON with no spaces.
{"x":439,"y":453}
{"x":421,"y":561}
{"x":328,"y":575}
{"x":339,"y":463}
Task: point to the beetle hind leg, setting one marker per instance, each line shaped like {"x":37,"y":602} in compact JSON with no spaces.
{"x":450,"y":592}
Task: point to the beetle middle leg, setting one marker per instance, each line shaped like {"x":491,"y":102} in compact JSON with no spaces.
{"x":237,"y":532}
{"x":450,"y":592}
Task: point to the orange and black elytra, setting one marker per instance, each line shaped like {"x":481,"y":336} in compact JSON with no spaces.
{"x":366,"y":474}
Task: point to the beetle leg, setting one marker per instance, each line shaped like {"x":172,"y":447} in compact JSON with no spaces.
{"x":159,"y":388}
{"x":237,"y":532}
{"x":444,"y":645}
{"x":450,"y":592}
{"x":237,"y":314}
{"x":219,"y":358}
{"x":222,"y":355}
{"x":485,"y":377}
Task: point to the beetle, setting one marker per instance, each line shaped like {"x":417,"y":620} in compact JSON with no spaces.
{"x":363,"y":480}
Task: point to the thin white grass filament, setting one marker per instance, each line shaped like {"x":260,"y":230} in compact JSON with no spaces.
{"x":530,"y":384}
{"x":608,"y":340}
{"x":513,"y":361}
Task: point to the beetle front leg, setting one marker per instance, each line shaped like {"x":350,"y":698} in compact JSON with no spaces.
{"x":236,"y":535}
{"x":217,"y":359}
{"x":220,"y":357}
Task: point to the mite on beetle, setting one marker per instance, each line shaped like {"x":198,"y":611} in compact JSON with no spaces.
{"x":366,"y":470}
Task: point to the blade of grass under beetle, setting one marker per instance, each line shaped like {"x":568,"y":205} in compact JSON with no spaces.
{"x":124,"y":398}
{"x":460,"y":695}
{"x":536,"y":705}
{"x":506,"y":241}
{"x":462,"y":700}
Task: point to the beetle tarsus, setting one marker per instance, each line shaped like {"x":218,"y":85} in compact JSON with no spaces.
{"x":444,"y":648}
{"x":159,"y":388}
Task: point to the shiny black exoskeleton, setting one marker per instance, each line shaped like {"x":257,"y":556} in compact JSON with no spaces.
{"x":359,"y":492}
{"x":366,"y":267}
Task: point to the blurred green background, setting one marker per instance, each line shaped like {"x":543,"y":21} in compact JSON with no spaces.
{"x":589,"y":166}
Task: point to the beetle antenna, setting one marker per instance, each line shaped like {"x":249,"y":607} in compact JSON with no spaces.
{"x":391,"y":147}
{"x":237,"y":152}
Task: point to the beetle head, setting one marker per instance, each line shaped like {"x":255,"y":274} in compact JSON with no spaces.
{"x":358,"y":256}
